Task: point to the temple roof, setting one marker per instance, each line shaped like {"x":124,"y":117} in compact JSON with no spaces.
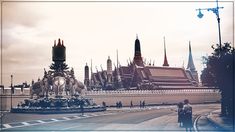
{"x":165,"y":76}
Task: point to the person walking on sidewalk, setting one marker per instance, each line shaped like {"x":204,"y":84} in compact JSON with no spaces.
{"x":180,"y":113}
{"x":82,"y":106}
{"x":187,"y":117}
{"x":143,"y":104}
{"x":131,"y":104}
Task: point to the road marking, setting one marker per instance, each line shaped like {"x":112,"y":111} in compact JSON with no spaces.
{"x":109,"y":113}
{"x":67,"y":128}
{"x":25,"y":123}
{"x":93,"y":114}
{"x":54,"y":119}
{"x":84,"y":116}
{"x":7,"y":126}
{"x":40,"y":121}
{"x":66,"y":118}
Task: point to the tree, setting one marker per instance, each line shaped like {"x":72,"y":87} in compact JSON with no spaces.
{"x":219,"y":72}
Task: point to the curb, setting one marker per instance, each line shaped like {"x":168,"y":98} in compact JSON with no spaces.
{"x":195,"y":123}
{"x":217,"y":124}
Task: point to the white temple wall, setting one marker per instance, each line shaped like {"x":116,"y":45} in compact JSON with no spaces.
{"x":153,"y":97}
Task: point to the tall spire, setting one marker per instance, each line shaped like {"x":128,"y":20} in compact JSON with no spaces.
{"x":137,"y":47}
{"x":93,"y":78}
{"x":86,"y":75}
{"x":109,"y":66}
{"x":190,"y":66}
{"x":165,"y":63}
{"x":91,"y":67}
{"x":117,"y":58}
{"x":137,"y":55}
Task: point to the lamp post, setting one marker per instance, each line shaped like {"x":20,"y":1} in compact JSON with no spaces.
{"x":216,"y":12}
{"x":11,"y":89}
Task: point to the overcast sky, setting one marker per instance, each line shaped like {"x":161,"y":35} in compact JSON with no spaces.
{"x":95,"y":30}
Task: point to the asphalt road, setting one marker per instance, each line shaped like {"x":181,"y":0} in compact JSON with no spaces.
{"x":152,"y":119}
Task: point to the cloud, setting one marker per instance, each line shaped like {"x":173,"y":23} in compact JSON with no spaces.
{"x":19,"y":14}
{"x":97,"y":30}
{"x":18,"y":18}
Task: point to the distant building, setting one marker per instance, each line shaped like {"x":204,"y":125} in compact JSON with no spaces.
{"x":138,"y":75}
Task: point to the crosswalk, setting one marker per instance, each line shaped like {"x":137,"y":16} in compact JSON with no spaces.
{"x":110,"y":111}
{"x":37,"y":122}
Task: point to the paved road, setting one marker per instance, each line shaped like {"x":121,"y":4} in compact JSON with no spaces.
{"x":157,"y":118}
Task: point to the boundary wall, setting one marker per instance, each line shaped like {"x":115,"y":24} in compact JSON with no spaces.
{"x":151,"y":97}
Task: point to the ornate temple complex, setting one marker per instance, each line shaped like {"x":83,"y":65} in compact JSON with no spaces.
{"x":139,"y":75}
{"x":60,"y":92}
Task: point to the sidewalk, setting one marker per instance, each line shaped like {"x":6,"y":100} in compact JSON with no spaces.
{"x":222,"y":122}
{"x":145,"y":108}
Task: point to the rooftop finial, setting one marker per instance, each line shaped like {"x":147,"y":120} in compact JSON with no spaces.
{"x":62,"y":42}
{"x":117,"y":58}
{"x":137,"y":36}
{"x":59,"y":42}
{"x":91,"y":67}
{"x":190,"y":47}
{"x":165,"y":57}
{"x":101,"y":68}
{"x":54,"y":42}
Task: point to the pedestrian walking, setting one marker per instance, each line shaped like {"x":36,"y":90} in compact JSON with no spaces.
{"x":104,"y":104}
{"x":187,"y":117}
{"x":120,"y":104}
{"x":131,"y":104}
{"x":82,"y":106}
{"x":180,"y":113}
{"x":143,"y":104}
{"x":140,"y":104}
{"x":117,"y":105}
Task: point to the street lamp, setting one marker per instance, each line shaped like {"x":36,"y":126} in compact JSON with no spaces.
{"x":216,"y":12}
{"x":11,"y":89}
